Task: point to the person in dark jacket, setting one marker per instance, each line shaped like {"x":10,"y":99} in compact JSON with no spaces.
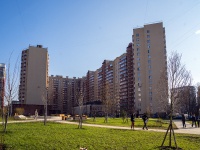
{"x":145,"y":120}
{"x":183,"y":121}
{"x":132,"y":121}
{"x":194,"y":121}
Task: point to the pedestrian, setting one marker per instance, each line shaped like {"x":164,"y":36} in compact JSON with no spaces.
{"x":183,"y":121}
{"x":145,"y":120}
{"x":36,"y":114}
{"x":194,"y":121}
{"x":198,"y":121}
{"x":132,"y":121}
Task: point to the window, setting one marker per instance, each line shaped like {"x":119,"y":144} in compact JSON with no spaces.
{"x":138,"y":79}
{"x":138,"y":59}
{"x":138,"y":74}
{"x":149,"y":66}
{"x":150,"y":81}
{"x":137,"y":44}
{"x":148,"y":31}
{"x":137,"y":35}
{"x":148,"y":41}
{"x":138,"y":64}
{"x":138,"y":68}
{"x":148,"y":46}
{"x":148,"y":36}
{"x":139,"y":94}
{"x":138,"y":49}
{"x":148,"y":51}
{"x":149,"y":61}
{"x":149,"y":56}
{"x":150,"y":77}
{"x":137,"y":39}
{"x":138,"y":54}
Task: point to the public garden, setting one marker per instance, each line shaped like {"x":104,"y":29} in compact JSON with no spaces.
{"x":62,"y":134}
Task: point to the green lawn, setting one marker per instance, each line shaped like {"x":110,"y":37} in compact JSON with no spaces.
{"x":152,"y":123}
{"x":55,"y":136}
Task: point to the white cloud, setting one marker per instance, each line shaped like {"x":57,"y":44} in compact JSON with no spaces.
{"x":197,"y":32}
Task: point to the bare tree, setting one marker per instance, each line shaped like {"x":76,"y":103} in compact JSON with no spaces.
{"x":11,"y":88}
{"x":198,"y":98}
{"x":162,"y":93}
{"x":44,"y":95}
{"x":177,"y":78}
{"x":106,"y":100}
{"x":188,"y":100}
{"x":79,"y":99}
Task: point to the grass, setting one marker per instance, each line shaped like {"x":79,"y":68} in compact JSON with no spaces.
{"x":152,"y":123}
{"x":55,"y":136}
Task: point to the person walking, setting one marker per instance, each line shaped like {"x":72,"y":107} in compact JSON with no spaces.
{"x":194,"y":121}
{"x":132,"y":121}
{"x":145,"y":120}
{"x":198,"y":121}
{"x":36,"y":114}
{"x":183,"y":121}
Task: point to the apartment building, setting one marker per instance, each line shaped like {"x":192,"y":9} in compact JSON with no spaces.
{"x":90,"y":86}
{"x":34,"y":75}
{"x":130,"y":78}
{"x":149,"y":61}
{"x":129,"y":81}
{"x":2,"y":83}
{"x":123,"y":83}
{"x":62,"y":93}
{"x":187,"y":100}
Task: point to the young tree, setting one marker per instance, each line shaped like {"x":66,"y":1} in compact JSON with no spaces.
{"x":79,"y":99}
{"x":11,"y":88}
{"x":106,"y":100}
{"x":44,"y":94}
{"x":176,"y":78}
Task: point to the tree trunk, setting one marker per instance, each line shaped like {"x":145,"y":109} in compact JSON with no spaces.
{"x":45,"y":114}
{"x":6,"y":121}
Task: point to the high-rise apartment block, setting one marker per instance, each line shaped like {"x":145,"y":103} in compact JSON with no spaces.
{"x":128,"y":82}
{"x":149,"y":61}
{"x":62,"y":93}
{"x":2,"y":83}
{"x":34,"y":75}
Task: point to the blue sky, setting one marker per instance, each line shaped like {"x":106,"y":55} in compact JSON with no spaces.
{"x":80,"y":34}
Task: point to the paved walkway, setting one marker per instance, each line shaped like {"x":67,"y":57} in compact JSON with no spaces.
{"x":188,"y":130}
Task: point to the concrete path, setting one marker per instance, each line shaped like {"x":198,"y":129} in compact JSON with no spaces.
{"x":188,"y":130}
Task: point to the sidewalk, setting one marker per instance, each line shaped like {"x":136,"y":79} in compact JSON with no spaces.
{"x":188,"y":130}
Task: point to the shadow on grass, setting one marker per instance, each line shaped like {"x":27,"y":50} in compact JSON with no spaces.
{"x":3,"y":146}
{"x":7,"y":132}
{"x":168,"y":148}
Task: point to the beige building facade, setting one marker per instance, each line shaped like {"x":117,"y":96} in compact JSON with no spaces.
{"x":34,"y":75}
{"x":150,"y":59}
